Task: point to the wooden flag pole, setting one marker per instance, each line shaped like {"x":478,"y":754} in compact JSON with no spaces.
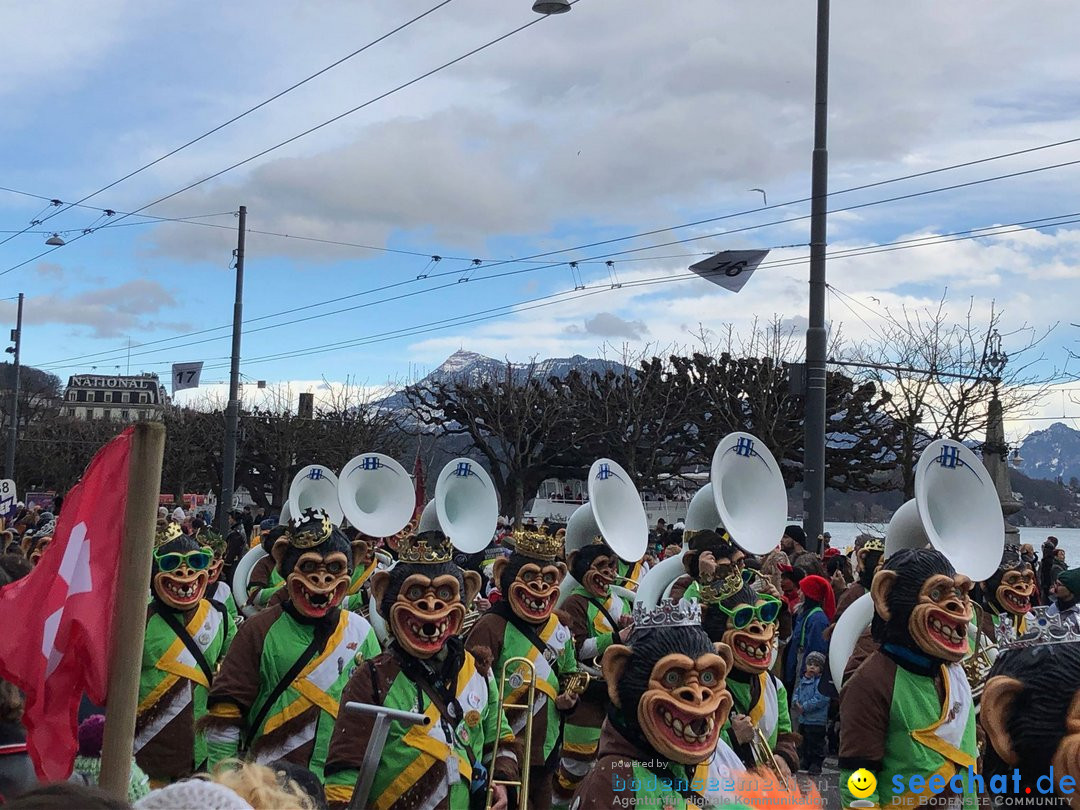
{"x":129,"y":611}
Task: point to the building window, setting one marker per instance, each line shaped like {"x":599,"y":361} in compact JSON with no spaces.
{"x":71,"y":411}
{"x":106,"y":414}
{"x":143,"y":399}
{"x":124,"y":415}
{"x":99,"y":396}
{"x":124,"y":397}
{"x":71,"y":396}
{"x":108,"y":396}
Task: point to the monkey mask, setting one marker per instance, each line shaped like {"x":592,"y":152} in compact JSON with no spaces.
{"x":316,"y":560}
{"x":216,"y":543}
{"x":596,"y":567}
{"x":1030,"y":712}
{"x":921,"y":602}
{"x":530,"y":577}
{"x":868,"y":561}
{"x":668,"y":691}
{"x":425,"y":594}
{"x":180,"y":569}
{"x":711,"y":556}
{"x":747,"y":622}
{"x":1011,"y":587}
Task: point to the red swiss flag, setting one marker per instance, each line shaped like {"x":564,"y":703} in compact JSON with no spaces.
{"x":57,"y":619}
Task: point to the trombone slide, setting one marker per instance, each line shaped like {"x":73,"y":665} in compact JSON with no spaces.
{"x":516,"y":682}
{"x":383,"y":716}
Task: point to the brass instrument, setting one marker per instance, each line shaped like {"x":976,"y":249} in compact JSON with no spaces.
{"x":516,"y":681}
{"x":575,"y":683}
{"x":977,"y":666}
{"x":763,"y":755}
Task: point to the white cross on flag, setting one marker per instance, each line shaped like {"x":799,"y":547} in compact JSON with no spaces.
{"x":58,"y":618}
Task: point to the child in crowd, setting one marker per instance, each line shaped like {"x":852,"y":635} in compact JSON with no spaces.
{"x":812,"y":708}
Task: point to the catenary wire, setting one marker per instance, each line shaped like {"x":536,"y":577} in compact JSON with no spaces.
{"x":250,"y":110}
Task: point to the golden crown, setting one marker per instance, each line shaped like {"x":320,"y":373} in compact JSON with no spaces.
{"x":170,"y":531}
{"x":669,"y":613}
{"x":310,"y":530}
{"x":719,"y":590}
{"x":874,"y":544}
{"x":539,"y":545}
{"x":430,"y":548}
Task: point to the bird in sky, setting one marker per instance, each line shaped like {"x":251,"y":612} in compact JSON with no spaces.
{"x":761,"y":191}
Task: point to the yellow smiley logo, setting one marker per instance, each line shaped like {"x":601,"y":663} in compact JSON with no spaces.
{"x":861,"y":783}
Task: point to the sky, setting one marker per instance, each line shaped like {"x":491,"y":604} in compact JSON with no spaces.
{"x":596,"y":126}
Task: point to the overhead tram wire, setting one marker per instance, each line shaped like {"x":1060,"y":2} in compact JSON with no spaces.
{"x":866,"y":250}
{"x":975,"y":233}
{"x":250,"y":110}
{"x":310,"y":130}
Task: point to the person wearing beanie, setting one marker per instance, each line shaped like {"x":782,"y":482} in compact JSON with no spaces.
{"x":87,"y":770}
{"x":808,"y":630}
{"x":812,"y":709}
{"x":1066,"y":598}
{"x":793,"y":542}
{"x":193,"y":793}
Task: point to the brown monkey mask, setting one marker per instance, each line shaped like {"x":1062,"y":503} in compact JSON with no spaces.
{"x":748,"y":624}
{"x":425,"y":603}
{"x":315,"y":559}
{"x":684,"y":702}
{"x":1016,"y":589}
{"x":938,"y":621}
{"x":180,"y":572}
{"x":534,"y":590}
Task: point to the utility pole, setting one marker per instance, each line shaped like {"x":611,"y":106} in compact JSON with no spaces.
{"x":814,"y":424}
{"x":13,"y":428}
{"x":232,"y":412}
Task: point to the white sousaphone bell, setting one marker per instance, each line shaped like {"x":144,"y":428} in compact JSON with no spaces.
{"x":615,"y":513}
{"x":746,"y":496}
{"x":956,"y":511}
{"x":465,"y":509}
{"x":374,"y":492}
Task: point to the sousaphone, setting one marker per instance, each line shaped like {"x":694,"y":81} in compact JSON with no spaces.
{"x":745,"y":497}
{"x":316,"y":487}
{"x":955,"y":510}
{"x":615,"y":513}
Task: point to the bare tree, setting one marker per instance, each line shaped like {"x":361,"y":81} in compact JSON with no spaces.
{"x":941,"y":378}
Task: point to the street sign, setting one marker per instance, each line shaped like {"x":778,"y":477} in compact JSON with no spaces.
{"x":730,"y":269}
{"x":186,"y":375}
{"x":8,"y":498}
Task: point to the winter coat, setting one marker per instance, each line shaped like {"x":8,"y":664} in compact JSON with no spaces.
{"x":814,"y":705}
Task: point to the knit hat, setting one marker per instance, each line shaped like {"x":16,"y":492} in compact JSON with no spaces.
{"x":831,"y":552}
{"x":192,"y":793}
{"x":819,"y":589}
{"x":797,"y":534}
{"x":91,"y":734}
{"x":1071,"y":580}
{"x":815,"y":659}
{"x":178,"y":515}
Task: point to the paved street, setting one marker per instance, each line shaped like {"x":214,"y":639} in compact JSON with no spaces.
{"x":827,"y":784}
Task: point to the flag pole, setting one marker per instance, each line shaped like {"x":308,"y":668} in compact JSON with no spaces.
{"x":129,"y":610}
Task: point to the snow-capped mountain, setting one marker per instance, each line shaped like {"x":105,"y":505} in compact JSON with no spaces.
{"x":470,"y":367}
{"x":1052,"y":453}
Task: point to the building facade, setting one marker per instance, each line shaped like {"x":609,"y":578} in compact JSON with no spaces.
{"x":121,"y":398}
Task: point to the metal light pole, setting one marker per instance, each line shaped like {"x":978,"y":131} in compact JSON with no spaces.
{"x":13,"y":428}
{"x":232,"y":412}
{"x":995,"y":450}
{"x":814,"y":424}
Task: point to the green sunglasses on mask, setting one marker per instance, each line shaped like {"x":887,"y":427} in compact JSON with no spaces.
{"x":767,"y":612}
{"x":198,"y":560}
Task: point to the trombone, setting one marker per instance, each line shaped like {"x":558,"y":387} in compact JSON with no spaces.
{"x":763,"y":755}
{"x":516,"y":680}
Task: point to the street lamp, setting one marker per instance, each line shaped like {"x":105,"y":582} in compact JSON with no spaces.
{"x":551,"y":6}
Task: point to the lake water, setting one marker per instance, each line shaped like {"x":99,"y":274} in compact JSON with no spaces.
{"x":844,"y":534}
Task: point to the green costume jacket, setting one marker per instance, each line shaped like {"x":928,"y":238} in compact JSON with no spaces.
{"x":223,"y":594}
{"x":902,"y":717}
{"x":173,"y":689}
{"x":297,"y":726}
{"x":503,"y":641}
{"x":431,"y":766}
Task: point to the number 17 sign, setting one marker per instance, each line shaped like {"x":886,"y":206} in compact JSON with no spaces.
{"x":185,"y":375}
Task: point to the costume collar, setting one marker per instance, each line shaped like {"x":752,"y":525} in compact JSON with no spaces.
{"x":330,"y":620}
{"x":911,"y":660}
